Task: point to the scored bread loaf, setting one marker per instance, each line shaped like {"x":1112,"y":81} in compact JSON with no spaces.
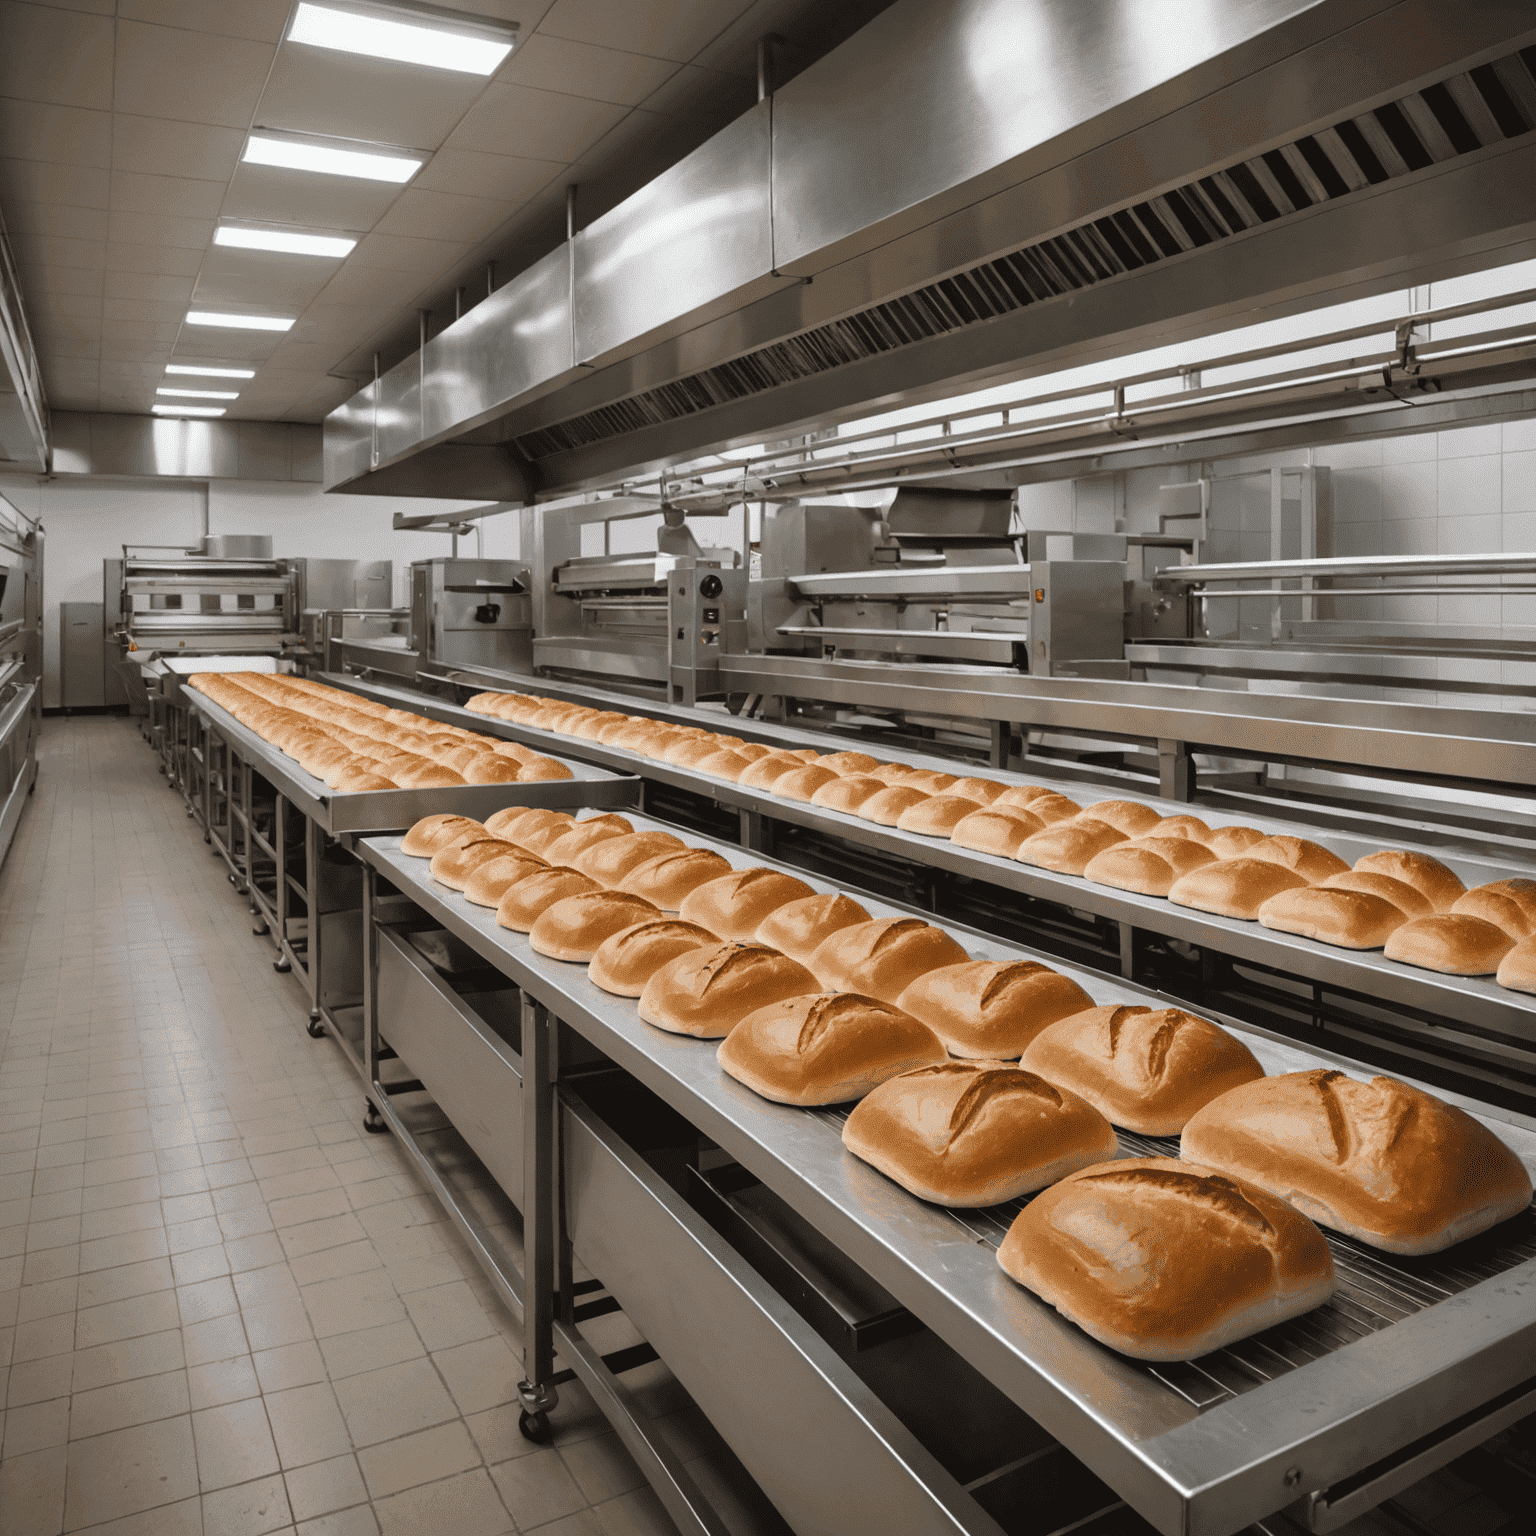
{"x":992,"y":1009}
{"x":883,"y":957}
{"x":452,"y":866}
{"x":610,"y":859}
{"x":669,"y":877}
{"x":1233,"y":887}
{"x":581,"y":835}
{"x":489,"y":768}
{"x":768,"y":769}
{"x":1440,"y":885}
{"x":434,"y":832}
{"x":735,"y":905}
{"x":1452,"y":943}
{"x":540,"y":839}
{"x":538,"y":827}
{"x":825,"y":1048}
{"x":521,"y":904}
{"x":725,"y":764}
{"x":1310,"y":860}
{"x":1147,"y":1071}
{"x":1045,"y":805}
{"x":574,"y":927}
{"x":1149,"y":865}
{"x":847,"y":793}
{"x":976,"y":1133}
{"x":1517,"y":970}
{"x":628,"y":959}
{"x":501,"y":822}
{"x":490,"y":881}
{"x":803,"y":782}
{"x":1232,"y":842}
{"x":996,"y":829}
{"x":849,"y":763}
{"x":1408,"y":899}
{"x":707,"y":992}
{"x":1166,"y":1260}
{"x":1129,"y":817}
{"x":937,"y":816}
{"x":1068,"y":847}
{"x":886,"y":806}
{"x":799,"y":928}
{"x":1507,"y":904}
{"x":1381,"y":1161}
{"x":1348,"y":919}
{"x":1183,"y":826}
{"x":982,"y":791}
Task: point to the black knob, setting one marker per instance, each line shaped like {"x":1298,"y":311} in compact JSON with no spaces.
{"x":711,"y":586}
{"x":487,"y":613}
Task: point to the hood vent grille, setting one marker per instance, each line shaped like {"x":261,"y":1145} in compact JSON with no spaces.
{"x":1468,"y":111}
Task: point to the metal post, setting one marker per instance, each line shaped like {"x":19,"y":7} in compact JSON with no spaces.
{"x":1127,"y":951}
{"x":490,"y":278}
{"x":1175,"y":770}
{"x":570,"y":211}
{"x":535,"y":1390}
{"x":458,"y":301}
{"x":248,"y":848}
{"x":755,"y":830}
{"x":280,"y":848}
{"x":765,"y":47}
{"x":1002,"y":743}
{"x":312,"y":836}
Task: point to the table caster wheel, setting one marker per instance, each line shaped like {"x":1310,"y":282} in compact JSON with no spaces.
{"x":535,"y":1427}
{"x":282,"y":966}
{"x":260,"y":930}
{"x":207,"y":838}
{"x":373,"y":1121}
{"x":316,"y":1027}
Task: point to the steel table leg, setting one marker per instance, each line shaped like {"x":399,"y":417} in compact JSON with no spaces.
{"x":248,"y":850}
{"x":1175,"y":771}
{"x":280,"y":848}
{"x":312,"y":836}
{"x":536,"y":1391}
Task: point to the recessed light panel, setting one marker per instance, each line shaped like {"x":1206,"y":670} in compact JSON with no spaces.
{"x":201,"y":394}
{"x":290,"y":242}
{"x":210,"y":373}
{"x":327,"y":160}
{"x":187,"y":410}
{"x":238,"y":322}
{"x":380,"y":36}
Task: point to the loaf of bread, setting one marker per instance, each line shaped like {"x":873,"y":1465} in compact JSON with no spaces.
{"x":454,"y":864}
{"x":1348,"y":919}
{"x":1232,"y":842}
{"x":535,"y":827}
{"x":1449,"y":942}
{"x":539,"y":770}
{"x":1149,"y":865}
{"x":691,"y":750}
{"x":725,"y":764}
{"x":522,"y":903}
{"x":708,"y":992}
{"x":491,"y":881}
{"x":428,"y":775}
{"x":1517,"y":970}
{"x":1233,"y":887}
{"x":1310,"y":860}
{"x":1129,"y":817}
{"x":767,"y":770}
{"x":1068,"y":847}
{"x":1045,"y":805}
{"x":886,"y":807}
{"x":582,"y":835}
{"x":1408,"y":899}
{"x":976,"y":1133}
{"x":574,"y":927}
{"x":849,"y":763}
{"x":611,"y":858}
{"x":847,"y":794}
{"x":1381,"y":1161}
{"x":669,"y":877}
{"x":799,"y":928}
{"x":628,"y":959}
{"x":991,"y":1009}
{"x":1441,"y":886}
{"x":1507,"y":904}
{"x":1165,"y":1260}
{"x":801,"y":783}
{"x":929,"y":780}
{"x":540,"y":839}
{"x":735,"y":905}
{"x":434,"y":832}
{"x":936,"y":816}
{"x":358,"y":779}
{"x":997,"y":828}
{"x":1144,"y":1070}
{"x":825,"y":1048}
{"x":493,"y":768}
{"x":502,"y":822}
{"x":982,"y":791}
{"x":883,"y":957}
{"x":1183,"y":826}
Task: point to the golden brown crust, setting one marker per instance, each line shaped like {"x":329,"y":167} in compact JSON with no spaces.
{"x":529,"y":827}
{"x":1384,"y":1162}
{"x":1310,"y":860}
{"x":669,"y":877}
{"x":801,"y":783}
{"x":490,"y":768}
{"x":1147,"y":1071}
{"x":453,"y":864}
{"x":582,"y":835}
{"x":1149,"y":865}
{"x":1233,"y":887}
{"x":849,"y":764}
{"x":848,"y":793}
{"x":975,"y":1133}
{"x":883,"y":957}
{"x":1232,"y":842}
{"x":574,"y":927}
{"x":540,"y":770}
{"x":1165,"y":1260}
{"x":1451,"y":943}
{"x":707,"y":992}
{"x":627,"y":960}
{"x":885,"y":807}
{"x":502,"y":822}
{"x":521,"y":904}
{"x":725,"y":765}
{"x":1183,"y":826}
{"x":735,"y":905}
{"x":1347,"y":919}
{"x":769,"y":768}
{"x":1408,"y":899}
{"x":493,"y":879}
{"x":1044,"y":804}
{"x":1507,"y":904}
{"x":434,"y":832}
{"x":611,"y":858}
{"x":991,"y":1009}
{"x":1517,"y":970}
{"x":995,"y":829}
{"x":799,"y":928}
{"x":982,"y":791}
{"x":1440,"y":885}
{"x":1129,"y":817}
{"x":1068,"y":847}
{"x":937,"y":816}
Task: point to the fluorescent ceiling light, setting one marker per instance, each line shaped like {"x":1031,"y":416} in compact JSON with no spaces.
{"x":238,"y":322}
{"x":187,"y":410}
{"x":211,"y":373}
{"x":291,"y":243}
{"x":294,"y":155}
{"x":201,"y":394}
{"x":437,"y":47}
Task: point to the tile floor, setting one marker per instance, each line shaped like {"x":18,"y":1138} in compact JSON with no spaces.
{"x":224,"y":1309}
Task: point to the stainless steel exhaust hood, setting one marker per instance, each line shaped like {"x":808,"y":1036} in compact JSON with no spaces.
{"x":972,"y":190}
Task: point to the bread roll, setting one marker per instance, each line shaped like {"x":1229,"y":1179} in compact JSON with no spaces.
{"x":885,"y":808}
{"x":1069,"y":846}
{"x":492,"y":768}
{"x":490,"y":881}
{"x":588,"y":728}
{"x":434,"y":832}
{"x":1517,"y":970}
{"x":725,"y":765}
{"x":825,"y":1048}
{"x":657,"y":744}
{"x":1441,"y":886}
{"x":801,"y":783}
{"x":582,"y":835}
{"x":883,"y":957}
{"x":1144,"y":1070}
{"x":522,"y":903}
{"x":1383,"y":1162}
{"x":1129,"y":817}
{"x":937,"y":816}
{"x":1449,"y":942}
{"x":1165,"y":1260}
{"x":767,"y":770}
{"x":460,"y":757}
{"x":1183,"y":826}
{"x":538,"y":826}
{"x":1310,"y":860}
{"x":975,"y":1133}
{"x":538,"y":770}
{"x":611,"y":859}
{"x":574,"y":927}
{"x":691,"y":750}
{"x":995,"y":829}
{"x":452,"y":866}
{"x":501,"y":822}
{"x":427,"y":776}
{"x":1348,"y":919}
{"x":799,"y":928}
{"x":1507,"y":904}
{"x":847,"y":794}
{"x":1232,"y":842}
{"x":1149,"y":865}
{"x":628,"y":959}
{"x":1408,"y":900}
{"x":849,"y":763}
{"x":358,"y":779}
{"x":707,"y":992}
{"x":668,"y":878}
{"x":982,"y":791}
{"x":992,"y":1009}
{"x":1044,"y":804}
{"x":735,"y":905}
{"x":1233,"y":887}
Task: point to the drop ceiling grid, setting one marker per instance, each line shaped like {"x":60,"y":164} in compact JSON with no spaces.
{"x":121,"y":127}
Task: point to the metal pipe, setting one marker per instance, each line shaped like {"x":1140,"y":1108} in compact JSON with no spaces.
{"x":765,"y":46}
{"x":424,"y":322}
{"x":458,"y":301}
{"x":490,"y":278}
{"x":570,"y":210}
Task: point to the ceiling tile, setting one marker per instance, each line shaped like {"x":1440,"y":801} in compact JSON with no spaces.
{"x":400,"y":253}
{"x":71,"y":306}
{"x":261,"y":20}
{"x":121,"y":373}
{"x":182,"y":261}
{"x":299,"y":197}
{"x":43,"y":251}
{"x":39,"y":280}
{"x":385,"y":291}
{"x":86,"y":347}
{"x":36,"y":181}
{"x":241,"y":348}
{"x":665,"y":29}
{"x":580,"y":69}
{"x":189,"y":76}
{"x":187,"y":351}
{"x":180,"y":196}
{"x":55,"y":219}
{"x":148,"y":285}
{"x":470,"y":173}
{"x":128,"y":329}
{"x":695,"y":92}
{"x":130,"y":228}
{"x":317,"y":90}
{"x":158,"y":147}
{"x":134,"y":351}
{"x":55,"y":55}
{"x":262,"y":279}
{"x":429,"y":215}
{"x":539,"y":125}
{"x":36,"y":130}
{"x":526,"y":13}
{"x":63,"y":330}
{"x":170,"y":311}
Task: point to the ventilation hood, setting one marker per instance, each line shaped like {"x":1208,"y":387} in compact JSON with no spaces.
{"x":967,"y":191}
